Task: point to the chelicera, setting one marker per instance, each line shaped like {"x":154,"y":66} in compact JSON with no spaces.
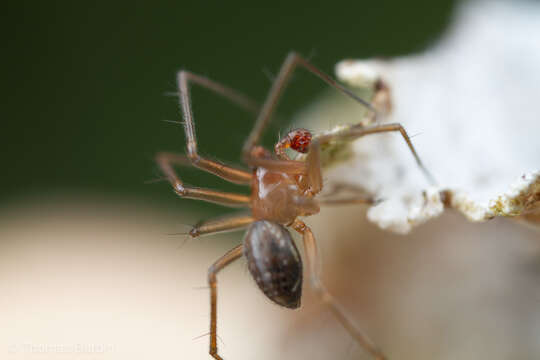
{"x":283,"y":191}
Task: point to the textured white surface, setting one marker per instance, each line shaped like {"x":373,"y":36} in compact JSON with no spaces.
{"x":472,"y":100}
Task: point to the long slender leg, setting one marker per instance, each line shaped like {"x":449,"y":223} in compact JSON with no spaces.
{"x":222,"y":224}
{"x":165,"y":161}
{"x":353,"y":195}
{"x":290,"y":63}
{"x":313,"y":263}
{"x":355,"y":132}
{"x":228,"y":173}
{"x":225,"y":260}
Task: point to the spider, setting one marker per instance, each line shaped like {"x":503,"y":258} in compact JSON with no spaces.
{"x":283,"y":190}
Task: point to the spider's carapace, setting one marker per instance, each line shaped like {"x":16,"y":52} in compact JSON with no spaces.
{"x":278,"y":195}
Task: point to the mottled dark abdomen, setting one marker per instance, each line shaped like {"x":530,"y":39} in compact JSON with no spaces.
{"x":274,"y":262}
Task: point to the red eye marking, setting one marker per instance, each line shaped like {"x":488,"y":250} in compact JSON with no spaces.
{"x":300,"y":140}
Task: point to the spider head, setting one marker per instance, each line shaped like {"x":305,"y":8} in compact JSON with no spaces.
{"x":297,"y":139}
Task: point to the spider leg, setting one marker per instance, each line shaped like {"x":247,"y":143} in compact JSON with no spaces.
{"x":221,"y":224}
{"x":289,"y":65}
{"x":222,"y":262}
{"x":165,"y":161}
{"x":228,"y":173}
{"x":357,"y":131}
{"x":354,"y":195}
{"x":313,"y":263}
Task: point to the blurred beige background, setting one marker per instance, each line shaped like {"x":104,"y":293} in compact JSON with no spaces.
{"x":89,"y":279}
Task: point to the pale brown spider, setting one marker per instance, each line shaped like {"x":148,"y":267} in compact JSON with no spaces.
{"x":282,"y":190}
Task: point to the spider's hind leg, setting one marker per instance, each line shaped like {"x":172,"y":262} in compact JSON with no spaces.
{"x":313,"y":264}
{"x":220,"y":225}
{"x":222,"y":262}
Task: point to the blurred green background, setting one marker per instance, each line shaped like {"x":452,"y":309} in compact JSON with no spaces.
{"x":85,"y":93}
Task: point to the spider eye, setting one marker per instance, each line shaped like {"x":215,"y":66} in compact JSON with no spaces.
{"x":300,"y":140}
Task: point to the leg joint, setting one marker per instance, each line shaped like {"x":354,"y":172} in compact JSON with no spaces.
{"x":183,"y":75}
{"x":194,"y":232}
{"x":193,"y":155}
{"x":323,"y":294}
{"x":293,"y":56}
{"x":212,"y":279}
{"x":180,"y":189}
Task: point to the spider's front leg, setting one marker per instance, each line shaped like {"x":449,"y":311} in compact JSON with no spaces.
{"x":314,"y":265}
{"x":226,"y":172}
{"x":292,"y":61}
{"x":356,"y":131}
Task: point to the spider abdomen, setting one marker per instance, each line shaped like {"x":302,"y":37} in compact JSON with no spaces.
{"x":274,"y":262}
